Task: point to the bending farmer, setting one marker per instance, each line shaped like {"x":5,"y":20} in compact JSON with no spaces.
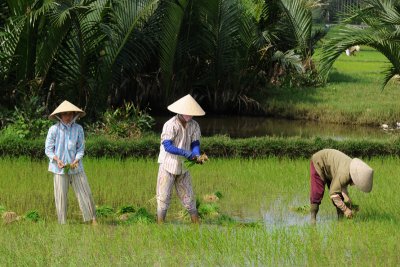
{"x":180,"y":141}
{"x":337,"y":170}
{"x":65,"y":148}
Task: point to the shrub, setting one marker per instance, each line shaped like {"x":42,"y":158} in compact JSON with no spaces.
{"x":127,"y":121}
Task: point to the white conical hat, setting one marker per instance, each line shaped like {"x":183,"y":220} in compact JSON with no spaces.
{"x":67,"y":107}
{"x":186,"y":106}
{"x":361,"y":174}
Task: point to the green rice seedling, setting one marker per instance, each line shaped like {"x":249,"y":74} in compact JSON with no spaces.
{"x":251,"y":189}
{"x":32,"y":216}
{"x":141,"y":216}
{"x":126,"y":209}
{"x":104,"y":211}
{"x":218,"y":194}
{"x":208,"y":210}
{"x":2,"y":209}
{"x":305,"y":209}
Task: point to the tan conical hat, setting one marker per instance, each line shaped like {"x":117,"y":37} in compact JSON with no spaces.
{"x":67,"y":107}
{"x":361,"y":174}
{"x":186,"y":106}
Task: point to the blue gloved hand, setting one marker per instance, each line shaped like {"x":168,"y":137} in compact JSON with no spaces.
{"x":195,"y":146}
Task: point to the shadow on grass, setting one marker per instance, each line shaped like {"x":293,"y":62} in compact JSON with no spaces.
{"x":339,"y":77}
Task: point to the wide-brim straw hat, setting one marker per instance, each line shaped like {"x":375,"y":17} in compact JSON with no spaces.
{"x":186,"y":105}
{"x":67,"y":107}
{"x":361,"y":174}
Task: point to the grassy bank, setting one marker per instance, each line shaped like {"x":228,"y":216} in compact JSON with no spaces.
{"x":353,"y":94}
{"x":261,"y":191}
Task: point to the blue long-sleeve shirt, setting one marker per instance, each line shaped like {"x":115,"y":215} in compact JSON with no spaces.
{"x":67,"y":143}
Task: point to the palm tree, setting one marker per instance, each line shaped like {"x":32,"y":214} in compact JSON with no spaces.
{"x":217,"y":49}
{"x":382,"y":18}
{"x":81,"y":45}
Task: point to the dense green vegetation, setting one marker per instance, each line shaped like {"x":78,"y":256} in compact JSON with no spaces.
{"x":260,"y":191}
{"x":216,"y":146}
{"x":99,"y":53}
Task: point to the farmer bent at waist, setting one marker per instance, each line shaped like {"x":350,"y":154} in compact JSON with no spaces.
{"x":337,"y":170}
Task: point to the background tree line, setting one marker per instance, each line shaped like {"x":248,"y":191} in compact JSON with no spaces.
{"x":102,"y":54}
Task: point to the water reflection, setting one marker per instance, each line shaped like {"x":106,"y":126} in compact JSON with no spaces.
{"x":241,"y":127}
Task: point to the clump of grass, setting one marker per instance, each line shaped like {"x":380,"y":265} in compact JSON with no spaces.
{"x":104,"y":211}
{"x":32,"y":216}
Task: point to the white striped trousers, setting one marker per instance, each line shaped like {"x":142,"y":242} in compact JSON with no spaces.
{"x":82,"y":191}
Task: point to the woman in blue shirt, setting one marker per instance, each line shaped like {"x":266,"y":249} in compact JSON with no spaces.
{"x":65,"y":149}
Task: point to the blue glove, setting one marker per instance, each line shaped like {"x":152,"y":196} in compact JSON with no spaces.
{"x":170,"y":148}
{"x":195,"y":145}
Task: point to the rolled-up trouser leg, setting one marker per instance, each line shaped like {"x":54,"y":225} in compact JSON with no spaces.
{"x":84,"y":196}
{"x":61,"y":183}
{"x":317,"y":186}
{"x":165,"y":181}
{"x":185,"y":193}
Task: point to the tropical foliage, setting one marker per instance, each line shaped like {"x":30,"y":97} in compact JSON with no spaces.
{"x":101,"y":53}
{"x":382,"y":20}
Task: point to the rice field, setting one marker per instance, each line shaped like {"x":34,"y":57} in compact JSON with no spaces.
{"x":353,"y":94}
{"x":258,"y":194}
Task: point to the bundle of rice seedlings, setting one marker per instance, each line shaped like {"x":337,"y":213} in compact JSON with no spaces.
{"x":218,"y":194}
{"x":199,"y":160}
{"x":32,"y":216}
{"x":140,"y":216}
{"x":124,"y":217}
{"x":104,"y":211}
{"x":126,"y":209}
{"x":305,"y":209}
{"x":9,"y":217}
{"x":69,"y":166}
{"x":208,"y":210}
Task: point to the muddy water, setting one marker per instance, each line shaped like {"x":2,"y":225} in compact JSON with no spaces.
{"x":242,"y":127}
{"x":280,"y":215}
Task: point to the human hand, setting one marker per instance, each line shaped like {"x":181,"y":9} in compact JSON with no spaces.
{"x":74,"y":164}
{"x":201,"y":159}
{"x":348,"y":213}
{"x":60,"y":164}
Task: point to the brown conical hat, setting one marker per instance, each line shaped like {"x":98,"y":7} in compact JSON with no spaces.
{"x":67,"y":107}
{"x":186,"y":105}
{"x":361,"y":174}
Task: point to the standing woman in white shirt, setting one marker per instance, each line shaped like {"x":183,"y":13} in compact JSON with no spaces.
{"x":65,"y":147}
{"x":180,"y":140}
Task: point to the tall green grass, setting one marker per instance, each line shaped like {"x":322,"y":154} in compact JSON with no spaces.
{"x":353,"y":94}
{"x":260,"y":190}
